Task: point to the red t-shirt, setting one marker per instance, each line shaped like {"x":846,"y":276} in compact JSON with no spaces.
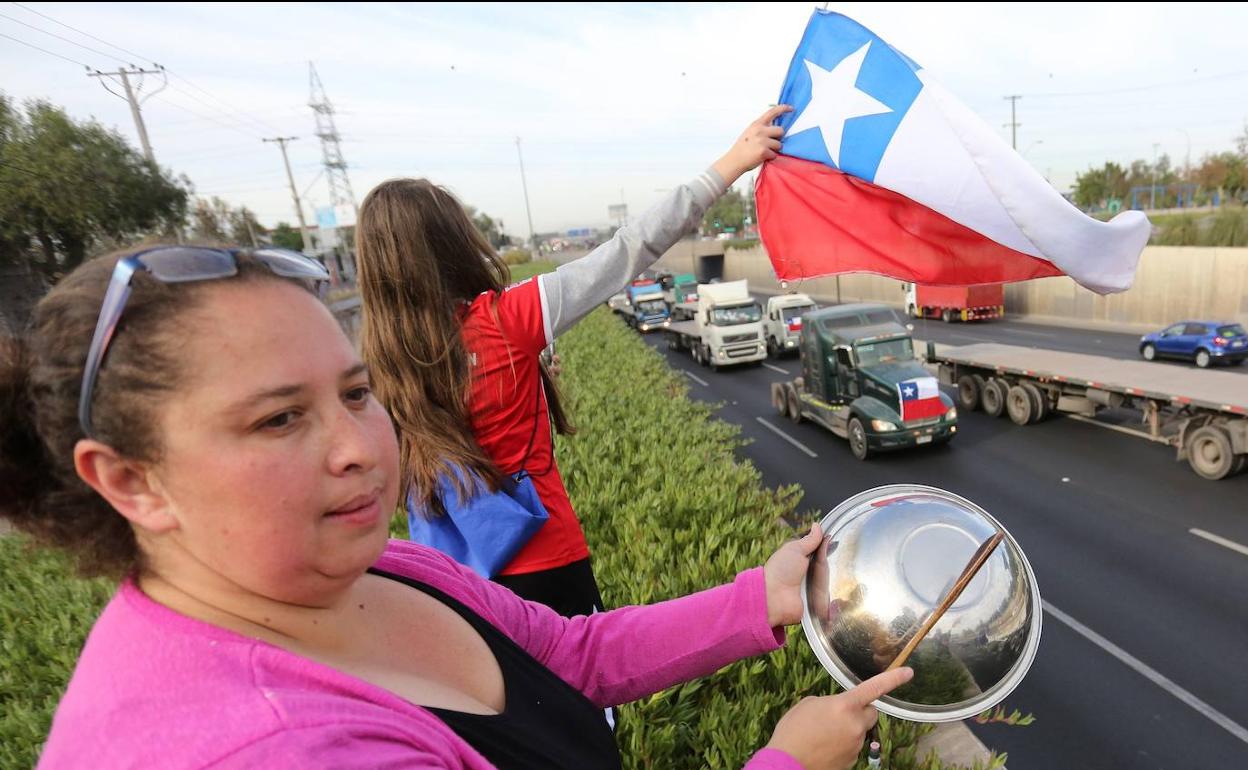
{"x":505,"y":333}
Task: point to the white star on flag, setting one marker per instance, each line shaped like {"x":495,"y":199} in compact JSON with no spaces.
{"x":835,"y":99}
{"x":909,"y":390}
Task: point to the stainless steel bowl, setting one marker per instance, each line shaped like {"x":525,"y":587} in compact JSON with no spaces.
{"x":889,"y":556}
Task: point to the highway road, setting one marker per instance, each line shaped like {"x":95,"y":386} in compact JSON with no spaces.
{"x":1143,"y":566}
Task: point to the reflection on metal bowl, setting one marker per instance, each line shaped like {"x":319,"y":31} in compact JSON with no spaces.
{"x":889,"y":557}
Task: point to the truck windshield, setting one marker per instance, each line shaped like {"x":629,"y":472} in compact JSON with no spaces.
{"x":735,"y":316}
{"x":652,"y":306}
{"x":789,"y":313}
{"x":884,"y":352}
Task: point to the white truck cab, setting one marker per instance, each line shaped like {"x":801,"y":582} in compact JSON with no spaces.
{"x":782,"y":322}
{"x":730,"y":324}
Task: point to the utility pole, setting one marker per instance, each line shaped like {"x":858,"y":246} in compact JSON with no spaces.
{"x":1013,"y":124}
{"x":303,"y":226}
{"x":132,"y":98}
{"x":1152,"y":190}
{"x":529,"y":212}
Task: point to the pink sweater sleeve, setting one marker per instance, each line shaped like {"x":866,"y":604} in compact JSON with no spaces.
{"x":631,"y":652}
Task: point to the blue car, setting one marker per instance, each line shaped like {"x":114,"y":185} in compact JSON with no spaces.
{"x":1204,"y":342}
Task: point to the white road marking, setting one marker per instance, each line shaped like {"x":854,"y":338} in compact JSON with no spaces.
{"x":1220,"y":540}
{"x":777,"y":369}
{"x":1029,"y":334}
{"x":1204,"y":709}
{"x":785,"y":436}
{"x":696,"y":378}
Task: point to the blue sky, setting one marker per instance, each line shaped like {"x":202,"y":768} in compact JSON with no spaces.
{"x":613,"y":102}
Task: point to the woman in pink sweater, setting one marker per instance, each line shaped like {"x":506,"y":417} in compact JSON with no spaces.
{"x":221,"y":453}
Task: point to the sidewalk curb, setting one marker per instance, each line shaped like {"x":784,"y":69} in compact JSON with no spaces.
{"x":955,"y":744}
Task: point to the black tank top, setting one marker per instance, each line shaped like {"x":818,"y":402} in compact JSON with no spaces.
{"x":545,"y":722}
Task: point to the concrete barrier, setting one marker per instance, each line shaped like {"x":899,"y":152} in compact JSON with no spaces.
{"x":1172,"y":283}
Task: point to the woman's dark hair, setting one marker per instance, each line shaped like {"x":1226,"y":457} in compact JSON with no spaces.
{"x":40,"y":380}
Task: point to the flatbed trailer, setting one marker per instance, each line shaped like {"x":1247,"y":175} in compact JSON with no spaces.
{"x":1202,"y":414}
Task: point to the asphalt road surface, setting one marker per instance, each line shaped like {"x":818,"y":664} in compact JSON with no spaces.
{"x":1142,"y":565}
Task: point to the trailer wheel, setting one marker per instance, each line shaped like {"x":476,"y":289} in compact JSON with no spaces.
{"x":1018,"y":405}
{"x":795,"y":405}
{"x":1209,"y":453}
{"x":672,"y":344}
{"x":858,"y":439}
{"x":993,"y":398}
{"x":968,"y":393}
{"x":946,"y":315}
{"x":1039,"y":402}
{"x":1241,"y":462}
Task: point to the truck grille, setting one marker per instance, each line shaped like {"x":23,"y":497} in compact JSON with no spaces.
{"x":748,"y":350}
{"x":731,"y":338}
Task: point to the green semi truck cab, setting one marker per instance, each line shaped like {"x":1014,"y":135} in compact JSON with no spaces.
{"x":861,"y":381}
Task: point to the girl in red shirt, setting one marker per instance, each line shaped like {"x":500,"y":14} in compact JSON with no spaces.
{"x":454,"y":351}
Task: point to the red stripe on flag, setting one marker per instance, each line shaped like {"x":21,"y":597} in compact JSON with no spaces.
{"x":921,"y":409}
{"x":815,"y":220}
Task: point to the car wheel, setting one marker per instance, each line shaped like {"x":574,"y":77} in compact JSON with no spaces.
{"x":858,"y":439}
{"x":1209,"y":453}
{"x":1203,"y":359}
{"x":968,"y":393}
{"x":1149,"y":352}
{"x":993,"y":398}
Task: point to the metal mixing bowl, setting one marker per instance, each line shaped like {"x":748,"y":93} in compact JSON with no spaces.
{"x":889,"y":556}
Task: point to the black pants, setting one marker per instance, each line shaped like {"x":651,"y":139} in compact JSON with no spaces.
{"x":569,"y":590}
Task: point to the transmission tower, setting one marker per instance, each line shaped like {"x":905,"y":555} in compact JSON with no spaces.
{"x":340,"y":193}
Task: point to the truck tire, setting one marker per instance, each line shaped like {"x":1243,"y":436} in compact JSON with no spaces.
{"x":1039,"y":402}
{"x":968,"y":393}
{"x":1241,"y":462}
{"x":1203,"y":359}
{"x":993,"y":398}
{"x":1018,"y":405}
{"x":858,"y":439}
{"x":1209,"y":453}
{"x":779,"y":400}
{"x":946,"y":315}
{"x":914,"y":311}
{"x":795,"y":405}
{"x":772,"y":351}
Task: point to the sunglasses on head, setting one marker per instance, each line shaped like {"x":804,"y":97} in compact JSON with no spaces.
{"x":178,"y":264}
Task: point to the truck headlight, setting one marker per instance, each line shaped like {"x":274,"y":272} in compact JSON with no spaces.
{"x":882,"y":426}
{"x":644,"y":327}
{"x":952,"y":414}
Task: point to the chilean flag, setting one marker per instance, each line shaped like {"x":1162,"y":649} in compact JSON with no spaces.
{"x":883,"y":171}
{"x":920,"y":399}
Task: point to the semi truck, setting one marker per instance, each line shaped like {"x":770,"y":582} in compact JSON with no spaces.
{"x":1203,"y":415}
{"x":646,"y":308}
{"x":955,"y":303}
{"x":725,"y":326}
{"x":782,"y":322}
{"x":680,"y":288}
{"x":863,"y":383}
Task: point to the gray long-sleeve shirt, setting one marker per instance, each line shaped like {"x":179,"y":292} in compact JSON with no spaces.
{"x":576,"y":288}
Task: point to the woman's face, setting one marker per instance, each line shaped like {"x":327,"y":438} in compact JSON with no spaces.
{"x":278,"y":464}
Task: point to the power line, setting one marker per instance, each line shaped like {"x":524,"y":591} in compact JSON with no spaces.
{"x":62,"y":37}
{"x":80,"y":32}
{"x":229,"y":108}
{"x":1132,"y":89}
{"x":50,"y":53}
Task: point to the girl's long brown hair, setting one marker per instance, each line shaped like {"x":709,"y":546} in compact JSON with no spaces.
{"x":419,"y":258}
